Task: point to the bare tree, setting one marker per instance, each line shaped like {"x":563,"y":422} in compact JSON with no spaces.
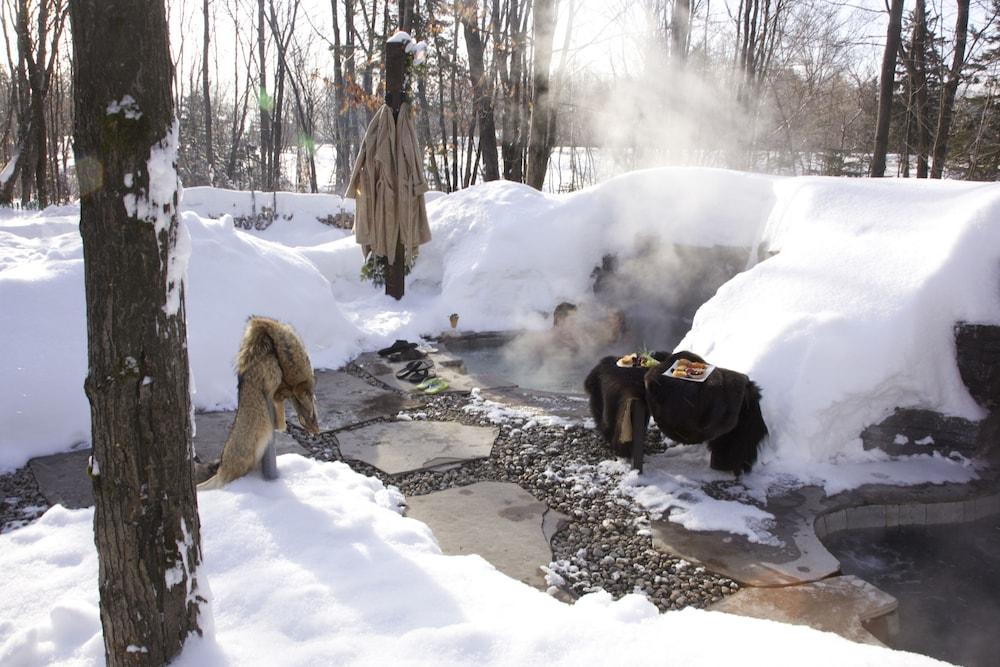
{"x":539,"y":141}
{"x":482,"y":92}
{"x":206,"y":92}
{"x":38,"y":36}
{"x":886,"y":81}
{"x":146,"y":522}
{"x":941,"y":134}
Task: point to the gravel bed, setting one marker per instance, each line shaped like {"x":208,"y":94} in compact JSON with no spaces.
{"x":606,"y":544}
{"x":20,"y":500}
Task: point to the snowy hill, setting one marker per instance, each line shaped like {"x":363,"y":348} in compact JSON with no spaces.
{"x":868,"y":277}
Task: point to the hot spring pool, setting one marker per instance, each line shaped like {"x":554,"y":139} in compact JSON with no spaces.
{"x":557,"y":373}
{"x":947,"y":581}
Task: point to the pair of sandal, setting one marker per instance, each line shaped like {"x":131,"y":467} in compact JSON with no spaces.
{"x":419,"y":373}
{"x":402,"y":350}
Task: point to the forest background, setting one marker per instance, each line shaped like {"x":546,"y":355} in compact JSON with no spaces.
{"x":276,"y":94}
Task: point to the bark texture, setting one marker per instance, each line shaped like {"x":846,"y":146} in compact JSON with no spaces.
{"x":146,"y":515}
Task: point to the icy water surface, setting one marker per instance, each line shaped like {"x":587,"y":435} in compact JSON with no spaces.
{"x":947,"y":581}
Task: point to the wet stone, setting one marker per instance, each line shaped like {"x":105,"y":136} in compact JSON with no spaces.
{"x":499,"y":521}
{"x":840,"y":604}
{"x":396,"y":447}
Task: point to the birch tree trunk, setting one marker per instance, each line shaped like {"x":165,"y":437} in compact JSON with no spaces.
{"x":146,"y":524}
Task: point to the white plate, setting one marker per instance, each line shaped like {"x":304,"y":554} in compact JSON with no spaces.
{"x":670,"y":372}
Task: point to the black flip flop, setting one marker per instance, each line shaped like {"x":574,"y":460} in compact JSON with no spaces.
{"x":409,"y":369}
{"x":420,"y":375}
{"x":398,"y":346}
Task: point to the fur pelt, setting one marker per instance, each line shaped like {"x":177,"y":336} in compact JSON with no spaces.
{"x":611,"y":390}
{"x":272,"y":366}
{"x":723,"y":411}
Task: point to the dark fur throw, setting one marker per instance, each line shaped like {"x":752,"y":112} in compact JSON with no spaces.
{"x":723,"y":411}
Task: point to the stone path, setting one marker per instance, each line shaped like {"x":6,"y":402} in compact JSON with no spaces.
{"x":468,"y":519}
{"x":839,"y":604}
{"x":396,"y":447}
{"x":525,"y":493}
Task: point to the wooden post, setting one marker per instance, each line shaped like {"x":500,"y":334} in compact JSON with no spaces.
{"x":395,"y":68}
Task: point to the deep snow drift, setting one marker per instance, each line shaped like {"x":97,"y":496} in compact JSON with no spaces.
{"x":318,"y":567}
{"x":850,"y":319}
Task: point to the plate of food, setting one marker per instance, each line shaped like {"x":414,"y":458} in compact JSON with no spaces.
{"x":692,"y":371}
{"x":637,"y":360}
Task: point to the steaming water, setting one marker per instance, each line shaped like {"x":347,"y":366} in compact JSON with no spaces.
{"x":566,"y":377}
{"x":555,"y":361}
{"x":947,"y":581}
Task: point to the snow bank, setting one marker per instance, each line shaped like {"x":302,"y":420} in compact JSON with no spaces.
{"x":297,"y":216}
{"x":850,"y":319}
{"x":234,"y":275}
{"x":43,"y":324}
{"x":854,"y":316}
{"x":503,"y":252}
{"x":319,"y":568}
{"x":231,"y":276}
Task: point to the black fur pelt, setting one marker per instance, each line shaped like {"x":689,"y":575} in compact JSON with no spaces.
{"x":610,"y":387}
{"x":723,"y":411}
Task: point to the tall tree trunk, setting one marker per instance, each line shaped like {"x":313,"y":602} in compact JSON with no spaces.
{"x":207,"y":98}
{"x":539,"y":143}
{"x":918,"y":55}
{"x":481,"y":92}
{"x":342,"y":122}
{"x":454,"y":103}
{"x":146,"y":522}
{"x":886,"y":81}
{"x":265,"y":102}
{"x":680,"y":24}
{"x":941,"y":134}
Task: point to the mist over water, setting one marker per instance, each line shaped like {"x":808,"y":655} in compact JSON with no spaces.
{"x":642,"y":301}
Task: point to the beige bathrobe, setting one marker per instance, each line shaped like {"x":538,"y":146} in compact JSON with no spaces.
{"x":388,"y":185}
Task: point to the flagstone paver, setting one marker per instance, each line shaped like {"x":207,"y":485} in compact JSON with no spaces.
{"x":62,"y":478}
{"x":500,"y":521}
{"x":840,"y":604}
{"x":445,"y":366}
{"x":801,"y":557}
{"x":396,"y":447}
{"x":343,"y":399}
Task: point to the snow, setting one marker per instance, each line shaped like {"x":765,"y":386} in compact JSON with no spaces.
{"x":850,"y":319}
{"x":294,"y":212}
{"x":8,"y":169}
{"x":127,"y":106}
{"x":854,"y":316}
{"x":231,"y":275}
{"x":319,"y":567}
{"x":400,"y":37}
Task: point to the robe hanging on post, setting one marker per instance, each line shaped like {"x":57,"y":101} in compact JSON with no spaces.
{"x":388,"y":186}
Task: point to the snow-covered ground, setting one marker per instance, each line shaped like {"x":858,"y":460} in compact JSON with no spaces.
{"x":319,"y":568}
{"x":851,"y":319}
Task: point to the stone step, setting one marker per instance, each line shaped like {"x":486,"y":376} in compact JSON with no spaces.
{"x":397,"y":447}
{"x":499,"y":521}
{"x":842,"y":605}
